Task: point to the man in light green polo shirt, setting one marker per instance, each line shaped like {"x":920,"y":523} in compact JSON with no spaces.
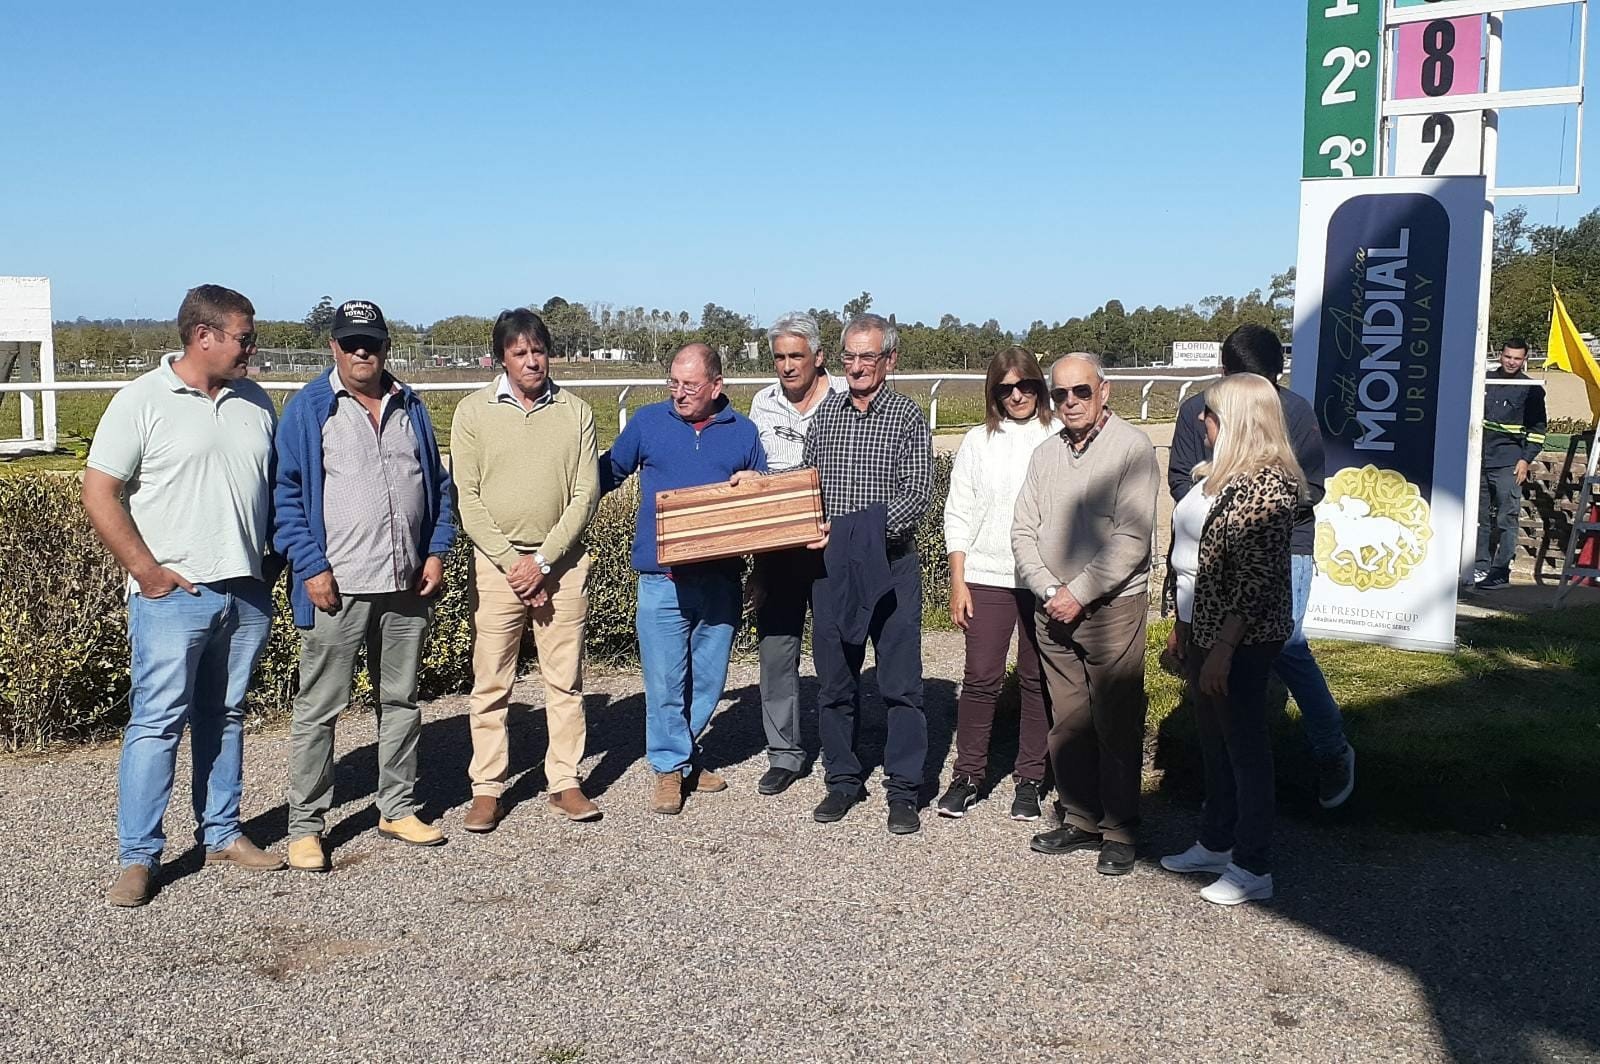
{"x":178,"y":488}
{"x":526,"y":471}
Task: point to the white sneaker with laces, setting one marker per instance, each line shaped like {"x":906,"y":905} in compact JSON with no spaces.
{"x":1479,"y":576}
{"x":1237,"y":885}
{"x":1198,"y":859}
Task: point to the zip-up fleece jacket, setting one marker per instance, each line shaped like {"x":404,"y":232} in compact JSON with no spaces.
{"x":1513,"y":421}
{"x":668,"y":453}
{"x":298,"y":531}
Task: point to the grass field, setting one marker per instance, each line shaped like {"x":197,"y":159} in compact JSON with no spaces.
{"x":960,"y":406}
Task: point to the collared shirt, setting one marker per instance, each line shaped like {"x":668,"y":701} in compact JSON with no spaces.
{"x":783,"y":426}
{"x":374,"y":502}
{"x":503,"y":394}
{"x":881,"y":454}
{"x":1079,"y":448}
{"x":197,"y":471}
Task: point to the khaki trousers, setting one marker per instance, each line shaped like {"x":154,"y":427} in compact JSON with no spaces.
{"x":499,"y":620}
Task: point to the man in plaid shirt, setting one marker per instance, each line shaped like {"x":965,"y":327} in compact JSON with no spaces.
{"x":871,"y":447}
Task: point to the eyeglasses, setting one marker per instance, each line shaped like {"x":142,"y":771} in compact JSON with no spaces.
{"x":247,"y":340}
{"x":1081,"y":392}
{"x":867,"y":359}
{"x":371,"y":344}
{"x":686,"y":389}
{"x":1033,"y":388}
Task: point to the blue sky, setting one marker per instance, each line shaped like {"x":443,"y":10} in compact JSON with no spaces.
{"x":1016,"y":161}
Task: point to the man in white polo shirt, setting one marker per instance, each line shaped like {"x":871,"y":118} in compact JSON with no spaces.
{"x":782,"y":580}
{"x":178,"y":488}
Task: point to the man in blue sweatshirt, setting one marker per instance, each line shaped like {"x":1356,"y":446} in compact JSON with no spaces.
{"x":365,"y":518}
{"x":687,"y":614}
{"x":1256,"y":349}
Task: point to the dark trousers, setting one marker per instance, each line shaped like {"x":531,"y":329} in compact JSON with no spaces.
{"x":1240,"y":788}
{"x":896,"y":636}
{"x":1094,"y":669}
{"x":996,"y":613}
{"x":785,"y":579}
{"x":1498,"y":490}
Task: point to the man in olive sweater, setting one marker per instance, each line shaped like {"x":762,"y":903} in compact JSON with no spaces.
{"x":526,"y":468}
{"x":1081,"y":536}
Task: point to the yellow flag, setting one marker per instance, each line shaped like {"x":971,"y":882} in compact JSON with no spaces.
{"x":1567,"y":351}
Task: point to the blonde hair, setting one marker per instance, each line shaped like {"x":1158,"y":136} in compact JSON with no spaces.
{"x":1251,"y":433}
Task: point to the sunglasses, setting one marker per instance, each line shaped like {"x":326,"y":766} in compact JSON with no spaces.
{"x":1081,"y":392}
{"x":1002,"y":392}
{"x":371,"y":344}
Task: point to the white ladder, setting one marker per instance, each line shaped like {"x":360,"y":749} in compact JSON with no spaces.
{"x":1582,"y":526}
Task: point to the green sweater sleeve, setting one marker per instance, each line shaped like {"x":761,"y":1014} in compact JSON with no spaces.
{"x":563,"y":539}
{"x":467,"y":464}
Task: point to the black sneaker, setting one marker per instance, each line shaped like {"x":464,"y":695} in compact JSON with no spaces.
{"x":962,"y":795}
{"x":1336,"y":778}
{"x":1025,"y":806}
{"x":776,"y":780}
{"x":1496,"y":580}
{"x":834,"y":807}
{"x":1065,"y":840}
{"x":903,"y":819}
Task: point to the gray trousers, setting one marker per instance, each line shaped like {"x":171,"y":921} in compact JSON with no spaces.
{"x":393,"y":628}
{"x":786,"y":578}
{"x":1498,"y":491}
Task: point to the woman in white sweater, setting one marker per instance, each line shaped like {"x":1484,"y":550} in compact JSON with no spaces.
{"x":986,"y":601}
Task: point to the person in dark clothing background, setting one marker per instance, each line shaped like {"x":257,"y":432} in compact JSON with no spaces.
{"x":1256,"y":349}
{"x":1513,"y":436}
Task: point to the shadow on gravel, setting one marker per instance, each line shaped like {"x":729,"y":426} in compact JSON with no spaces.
{"x":1501,"y":939}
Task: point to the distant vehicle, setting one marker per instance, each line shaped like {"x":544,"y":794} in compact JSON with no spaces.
{"x":88,"y":363}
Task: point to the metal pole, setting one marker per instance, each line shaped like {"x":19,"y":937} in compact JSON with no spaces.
{"x":1491,"y":154}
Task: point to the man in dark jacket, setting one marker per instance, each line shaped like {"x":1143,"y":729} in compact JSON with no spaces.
{"x":1255,"y":349}
{"x":364,"y":516}
{"x":1513,"y":436}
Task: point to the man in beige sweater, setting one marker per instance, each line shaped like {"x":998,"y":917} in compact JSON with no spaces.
{"x":1081,"y":537}
{"x":526,"y":467}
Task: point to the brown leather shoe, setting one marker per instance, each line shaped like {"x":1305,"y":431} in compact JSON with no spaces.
{"x":135,"y":886}
{"x":483,"y":814}
{"x":246,"y":854}
{"x":708,"y":782}
{"x":668,"y":794}
{"x":573,"y":804}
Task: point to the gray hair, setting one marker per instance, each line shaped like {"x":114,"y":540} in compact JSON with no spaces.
{"x":867,"y":322}
{"x":1083,"y":356}
{"x":800,"y":324}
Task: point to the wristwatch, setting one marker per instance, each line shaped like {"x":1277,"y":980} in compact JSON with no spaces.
{"x":1050,"y":592}
{"x":544,"y":566}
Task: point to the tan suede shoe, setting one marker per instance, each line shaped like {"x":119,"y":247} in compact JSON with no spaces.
{"x":708,"y":782}
{"x":411,"y":831}
{"x":135,"y":886}
{"x":483,"y":814}
{"x":246,"y":854}
{"x":307,"y":855}
{"x":573,"y":804}
{"x":667,"y":797}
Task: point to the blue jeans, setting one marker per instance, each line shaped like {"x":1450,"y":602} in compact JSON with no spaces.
{"x":191,"y":661}
{"x":686,"y":631}
{"x":1300,"y":674}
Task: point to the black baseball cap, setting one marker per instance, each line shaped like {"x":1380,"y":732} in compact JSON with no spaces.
{"x":358,"y":317}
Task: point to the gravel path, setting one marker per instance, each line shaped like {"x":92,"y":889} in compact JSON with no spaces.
{"x":742,"y":930}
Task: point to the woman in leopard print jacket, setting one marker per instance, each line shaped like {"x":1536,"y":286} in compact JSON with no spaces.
{"x":1241,"y":617}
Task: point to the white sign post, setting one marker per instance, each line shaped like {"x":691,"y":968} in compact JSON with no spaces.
{"x":1385,"y":343}
{"x":25,"y":319}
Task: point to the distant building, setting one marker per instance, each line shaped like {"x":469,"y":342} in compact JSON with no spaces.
{"x":612,"y":354}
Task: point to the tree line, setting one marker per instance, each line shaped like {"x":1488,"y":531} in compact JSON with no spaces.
{"x":1526,"y":260}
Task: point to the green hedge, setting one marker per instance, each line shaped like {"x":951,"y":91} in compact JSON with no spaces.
{"x":63,"y":622}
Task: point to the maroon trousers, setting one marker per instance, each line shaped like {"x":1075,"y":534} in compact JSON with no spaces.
{"x":996,"y":613}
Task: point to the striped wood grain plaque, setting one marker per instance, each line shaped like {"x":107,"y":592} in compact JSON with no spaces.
{"x":719,"y":521}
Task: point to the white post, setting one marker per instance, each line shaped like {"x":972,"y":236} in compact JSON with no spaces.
{"x":1144,"y":400}
{"x":47,"y":376}
{"x":622,"y":409}
{"x":1491,"y":148}
{"x":933,"y":406}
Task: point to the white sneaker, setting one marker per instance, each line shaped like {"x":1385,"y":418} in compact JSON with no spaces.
{"x":1479,"y":576}
{"x":1237,"y":885}
{"x":1198,"y":859}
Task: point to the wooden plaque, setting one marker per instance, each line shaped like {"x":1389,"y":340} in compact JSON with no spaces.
{"x":719,"y":521}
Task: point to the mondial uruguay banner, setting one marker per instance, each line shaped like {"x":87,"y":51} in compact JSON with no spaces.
{"x":1385,"y":343}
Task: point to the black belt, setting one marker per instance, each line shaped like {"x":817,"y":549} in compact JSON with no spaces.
{"x":897,"y":549}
